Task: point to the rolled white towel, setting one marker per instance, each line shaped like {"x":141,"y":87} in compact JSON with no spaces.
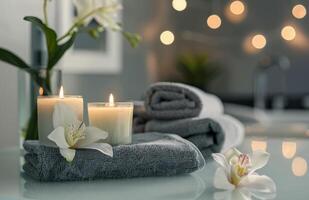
{"x":234,"y":131}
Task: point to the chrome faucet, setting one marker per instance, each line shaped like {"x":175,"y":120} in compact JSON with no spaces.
{"x":260,"y":85}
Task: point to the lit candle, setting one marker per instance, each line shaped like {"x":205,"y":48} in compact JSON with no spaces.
{"x":114,"y":118}
{"x":45,"y":112}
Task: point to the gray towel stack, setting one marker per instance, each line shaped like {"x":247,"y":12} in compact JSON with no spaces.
{"x":175,"y":108}
{"x":150,"y":154}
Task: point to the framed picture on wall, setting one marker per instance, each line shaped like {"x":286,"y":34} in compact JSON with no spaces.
{"x":88,"y":55}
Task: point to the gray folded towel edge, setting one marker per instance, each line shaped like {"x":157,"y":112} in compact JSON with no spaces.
{"x":202,"y":161}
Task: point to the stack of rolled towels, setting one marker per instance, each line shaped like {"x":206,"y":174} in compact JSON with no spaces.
{"x":189,"y":112}
{"x":176,"y":127}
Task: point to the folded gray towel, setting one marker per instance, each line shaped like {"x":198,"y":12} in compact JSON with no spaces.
{"x":205,"y":133}
{"x":169,"y":101}
{"x":140,"y":117}
{"x":150,"y":154}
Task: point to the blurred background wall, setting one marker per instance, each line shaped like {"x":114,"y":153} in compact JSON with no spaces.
{"x":226,"y":45}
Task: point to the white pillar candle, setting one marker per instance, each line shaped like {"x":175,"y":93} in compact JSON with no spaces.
{"x":46,"y":106}
{"x":114,"y":118}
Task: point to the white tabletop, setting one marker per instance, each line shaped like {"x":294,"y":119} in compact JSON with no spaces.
{"x":197,"y":185}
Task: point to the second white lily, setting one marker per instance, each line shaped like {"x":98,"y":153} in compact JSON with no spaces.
{"x":237,"y":171}
{"x":70,"y":134}
{"x":105,"y":15}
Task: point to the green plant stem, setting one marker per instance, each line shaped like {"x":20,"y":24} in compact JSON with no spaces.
{"x":31,"y":132}
{"x":79,"y":22}
{"x":32,"y":126}
{"x":47,"y":82}
{"x":45,"y":12}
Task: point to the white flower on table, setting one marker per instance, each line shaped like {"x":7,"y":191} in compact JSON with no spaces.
{"x":104,"y":12}
{"x":237,"y":175}
{"x":70,"y":133}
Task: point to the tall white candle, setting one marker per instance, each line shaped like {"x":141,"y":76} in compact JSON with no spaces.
{"x":46,"y":106}
{"x":114,"y":118}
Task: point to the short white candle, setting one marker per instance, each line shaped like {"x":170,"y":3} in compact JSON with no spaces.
{"x":46,"y":106}
{"x":114,"y":118}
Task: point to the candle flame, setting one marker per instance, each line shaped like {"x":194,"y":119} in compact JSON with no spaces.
{"x":111,"y":100}
{"x":41,"y":91}
{"x":61,"y":94}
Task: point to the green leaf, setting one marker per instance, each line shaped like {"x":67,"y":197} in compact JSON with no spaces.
{"x":61,"y":49}
{"x":32,"y":126}
{"x":11,"y":58}
{"x":133,"y":38}
{"x":50,"y":36}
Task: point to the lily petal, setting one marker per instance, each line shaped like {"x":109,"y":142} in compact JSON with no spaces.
{"x":58,"y":137}
{"x":258,"y":160}
{"x":83,"y":8}
{"x":220,"y":159}
{"x":258,"y":184}
{"x":92,"y":135}
{"x":102,"y":147}
{"x":263,"y":195}
{"x":64,"y":115}
{"x":237,"y":194}
{"x":221,"y":180}
{"x":68,"y":154}
{"x":231,"y":155}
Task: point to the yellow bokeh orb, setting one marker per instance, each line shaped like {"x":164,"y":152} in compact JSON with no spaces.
{"x":258,"y":41}
{"x":288,"y":33}
{"x":237,"y":7}
{"x":167,"y":37}
{"x":299,"y":166}
{"x":288,"y":149}
{"x":179,"y":5}
{"x":214,"y":21}
{"x":299,"y":11}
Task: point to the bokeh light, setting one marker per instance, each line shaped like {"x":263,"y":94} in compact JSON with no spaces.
{"x":167,"y":37}
{"x":214,"y":21}
{"x":299,"y":11}
{"x":259,"y":41}
{"x":299,"y":166}
{"x":237,"y":7}
{"x":258,"y":145}
{"x":288,"y":149}
{"x":288,"y":33}
{"x":179,"y":5}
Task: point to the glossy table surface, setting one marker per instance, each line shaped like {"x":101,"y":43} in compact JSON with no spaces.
{"x":287,"y":167}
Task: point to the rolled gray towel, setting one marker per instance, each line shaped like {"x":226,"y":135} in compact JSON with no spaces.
{"x":140,"y":117}
{"x":169,"y":101}
{"x":204,"y":133}
{"x":150,"y":154}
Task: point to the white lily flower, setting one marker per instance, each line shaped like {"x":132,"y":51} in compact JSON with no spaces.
{"x":70,"y":133}
{"x":106,"y":15}
{"x":237,"y":174}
